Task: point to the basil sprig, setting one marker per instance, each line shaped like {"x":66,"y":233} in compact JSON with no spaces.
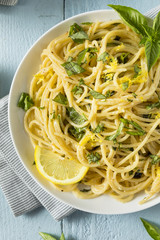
{"x":77,"y":34}
{"x":152,"y":230}
{"x":150,"y":35}
{"x":47,"y":236}
{"x":60,"y":98}
{"x":25,"y":101}
{"x":75,"y":116}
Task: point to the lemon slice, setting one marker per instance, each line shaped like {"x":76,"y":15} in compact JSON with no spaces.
{"x":56,"y":170}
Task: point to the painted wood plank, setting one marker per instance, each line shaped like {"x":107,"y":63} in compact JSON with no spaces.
{"x":73,"y":7}
{"x":20,"y":27}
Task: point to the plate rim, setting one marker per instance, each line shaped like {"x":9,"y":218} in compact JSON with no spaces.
{"x":10,"y":125}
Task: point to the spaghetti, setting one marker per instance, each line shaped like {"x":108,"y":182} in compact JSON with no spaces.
{"x":95,"y":101}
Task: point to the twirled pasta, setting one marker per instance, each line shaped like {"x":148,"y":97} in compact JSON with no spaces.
{"x":125,"y":166}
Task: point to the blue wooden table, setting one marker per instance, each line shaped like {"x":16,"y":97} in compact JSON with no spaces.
{"x":20,"y":27}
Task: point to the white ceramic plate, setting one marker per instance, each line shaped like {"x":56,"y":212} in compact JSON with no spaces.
{"x":29,"y":66}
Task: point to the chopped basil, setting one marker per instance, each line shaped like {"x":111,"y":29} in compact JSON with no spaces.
{"x":53,"y":115}
{"x":60,"y":98}
{"x":130,"y":100}
{"x":118,"y":132}
{"x":103,"y":57}
{"x":99,"y":128}
{"x":75,"y":116}
{"x":81,"y":82}
{"x":155,"y":159}
{"x":138,"y":130}
{"x":137,"y":69}
{"x":97,"y":95}
{"x":110,"y":93}
{"x":82,"y":54}
{"x":77,"y":133}
{"x":77,"y":90}
{"x":153,"y":105}
{"x":73,"y":68}
{"x":87,"y":23}
{"x":25,"y":101}
{"x":93,"y":157}
{"x":134,"y":95}
{"x":125,"y":85}
{"x":77,"y":34}
{"x":123,"y":58}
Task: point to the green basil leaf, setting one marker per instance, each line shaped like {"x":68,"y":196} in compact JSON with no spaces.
{"x":60,"y":98}
{"x":155,"y":159}
{"x":137,"y":70}
{"x":77,"y":90}
{"x":103,"y":57}
{"x":125,"y":85}
{"x":118,"y":132}
{"x":129,"y":100}
{"x":131,"y":17}
{"x":62,"y":237}
{"x":99,"y":128}
{"x":97,"y":95}
{"x":139,"y":131}
{"x":77,"y":34}
{"x":135,"y":133}
{"x":148,"y":30}
{"x":77,"y":133}
{"x":156,"y":23}
{"x":152,"y":51}
{"x":25,"y":101}
{"x":73,"y":68}
{"x":46,"y":236}
{"x":110,"y":93}
{"x":75,"y":116}
{"x":93,"y":157}
{"x":82,"y":54}
{"x":53,"y":115}
{"x":153,"y":105}
{"x":134,"y":95}
{"x":143,"y":40}
{"x":152,"y":230}
{"x":87,"y":23}
{"x":123,"y":58}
